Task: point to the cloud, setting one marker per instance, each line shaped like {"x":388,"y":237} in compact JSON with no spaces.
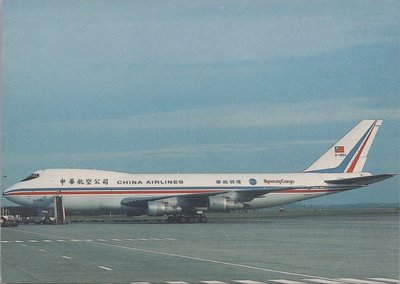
{"x":131,"y":32}
{"x":160,"y":153}
{"x":239,"y":36}
{"x":261,"y":115}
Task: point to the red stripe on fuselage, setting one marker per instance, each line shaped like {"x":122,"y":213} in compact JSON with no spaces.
{"x":108,"y":192}
{"x":147,"y":192}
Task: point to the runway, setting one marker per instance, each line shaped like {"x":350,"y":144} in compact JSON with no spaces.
{"x":289,"y":250}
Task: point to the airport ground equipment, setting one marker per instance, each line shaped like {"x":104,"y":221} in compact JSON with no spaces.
{"x":9,"y":221}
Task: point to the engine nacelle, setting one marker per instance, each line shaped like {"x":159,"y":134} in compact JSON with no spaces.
{"x":159,"y":208}
{"x":222,"y":203}
{"x":135,"y":211}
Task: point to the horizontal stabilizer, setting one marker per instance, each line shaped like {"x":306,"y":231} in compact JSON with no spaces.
{"x":360,"y":181}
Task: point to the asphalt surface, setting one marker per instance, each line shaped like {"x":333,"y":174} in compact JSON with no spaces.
{"x":290,"y":250}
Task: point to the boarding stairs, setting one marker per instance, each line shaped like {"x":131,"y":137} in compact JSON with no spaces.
{"x":59,"y":210}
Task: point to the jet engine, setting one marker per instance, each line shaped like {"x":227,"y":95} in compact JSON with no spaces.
{"x":135,"y":211}
{"x":223,"y":203}
{"x":160,"y":208}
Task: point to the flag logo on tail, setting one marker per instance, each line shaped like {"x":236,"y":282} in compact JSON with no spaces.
{"x":339,"y":149}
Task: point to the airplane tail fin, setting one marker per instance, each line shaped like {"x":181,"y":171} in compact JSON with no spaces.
{"x":350,"y":153}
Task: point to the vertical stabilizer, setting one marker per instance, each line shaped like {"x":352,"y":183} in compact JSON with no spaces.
{"x":349,"y":154}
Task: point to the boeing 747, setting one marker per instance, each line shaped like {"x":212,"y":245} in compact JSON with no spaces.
{"x":187,"y":197}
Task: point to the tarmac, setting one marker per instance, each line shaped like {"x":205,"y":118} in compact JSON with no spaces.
{"x":288,"y":250}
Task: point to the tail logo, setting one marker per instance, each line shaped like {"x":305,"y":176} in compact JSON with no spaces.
{"x":349,"y":154}
{"x":339,"y":151}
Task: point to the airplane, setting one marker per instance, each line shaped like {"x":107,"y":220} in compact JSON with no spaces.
{"x":187,"y":197}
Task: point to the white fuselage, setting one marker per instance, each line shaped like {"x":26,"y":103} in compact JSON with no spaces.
{"x":83,"y":189}
{"x":338,"y":169}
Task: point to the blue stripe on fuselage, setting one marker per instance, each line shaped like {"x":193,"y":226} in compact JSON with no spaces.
{"x":65,"y":189}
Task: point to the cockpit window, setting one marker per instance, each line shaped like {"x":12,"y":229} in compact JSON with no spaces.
{"x":32,"y":176}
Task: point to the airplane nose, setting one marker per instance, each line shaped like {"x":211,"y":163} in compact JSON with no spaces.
{"x":7,"y":191}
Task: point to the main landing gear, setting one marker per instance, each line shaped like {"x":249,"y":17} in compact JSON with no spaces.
{"x":199,"y":218}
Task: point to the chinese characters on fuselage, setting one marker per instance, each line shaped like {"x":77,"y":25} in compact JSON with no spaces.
{"x":86,"y":181}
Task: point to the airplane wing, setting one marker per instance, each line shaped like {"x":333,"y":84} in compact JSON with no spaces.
{"x":360,"y":181}
{"x":247,"y":195}
{"x":142,"y":201}
{"x":242,"y":195}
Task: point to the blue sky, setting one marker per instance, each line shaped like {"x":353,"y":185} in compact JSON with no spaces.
{"x":198,"y":86}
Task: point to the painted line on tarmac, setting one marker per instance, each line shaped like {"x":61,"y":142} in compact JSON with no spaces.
{"x":284,"y":281}
{"x":323,"y":281}
{"x":43,"y":234}
{"x":105,"y":268}
{"x":186,"y":257}
{"x":84,"y":240}
{"x":386,"y":280}
{"x":64,"y":238}
{"x":212,"y":261}
{"x":358,"y":281}
{"x":248,"y":282}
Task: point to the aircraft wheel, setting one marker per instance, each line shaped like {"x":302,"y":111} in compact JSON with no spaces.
{"x":203,"y":219}
{"x":47,"y":221}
